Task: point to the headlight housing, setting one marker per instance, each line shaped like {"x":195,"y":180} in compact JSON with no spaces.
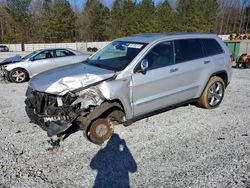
{"x":87,"y":97}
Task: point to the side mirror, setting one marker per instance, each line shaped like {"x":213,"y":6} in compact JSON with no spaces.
{"x":32,"y":59}
{"x":144,"y":66}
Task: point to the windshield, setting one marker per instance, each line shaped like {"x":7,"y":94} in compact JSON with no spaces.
{"x":29,"y":55}
{"x":117,"y":55}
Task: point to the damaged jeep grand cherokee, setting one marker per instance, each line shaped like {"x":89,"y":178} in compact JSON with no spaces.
{"x":129,"y":79}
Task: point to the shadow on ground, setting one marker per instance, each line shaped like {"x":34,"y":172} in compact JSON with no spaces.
{"x":113,"y":164}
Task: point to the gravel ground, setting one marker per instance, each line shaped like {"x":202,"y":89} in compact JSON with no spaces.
{"x":184,"y":147}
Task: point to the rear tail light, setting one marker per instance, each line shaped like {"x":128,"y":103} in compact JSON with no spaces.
{"x":232,"y":57}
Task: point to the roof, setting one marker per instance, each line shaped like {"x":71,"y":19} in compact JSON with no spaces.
{"x":150,"y":37}
{"x":44,"y":49}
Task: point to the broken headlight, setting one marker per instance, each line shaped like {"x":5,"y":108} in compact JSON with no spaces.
{"x":89,"y":97}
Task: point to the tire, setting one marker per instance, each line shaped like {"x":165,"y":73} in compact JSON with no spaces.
{"x":247,"y":65}
{"x":237,"y":65}
{"x":213,"y":93}
{"x":18,"y":75}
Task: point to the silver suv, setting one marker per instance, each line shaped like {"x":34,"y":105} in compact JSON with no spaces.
{"x":130,"y":79}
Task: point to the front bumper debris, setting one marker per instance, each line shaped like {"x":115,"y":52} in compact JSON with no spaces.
{"x":3,"y":72}
{"x":43,"y":110}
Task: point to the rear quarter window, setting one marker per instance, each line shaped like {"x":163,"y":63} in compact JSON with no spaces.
{"x":188,"y":49}
{"x":212,"y":47}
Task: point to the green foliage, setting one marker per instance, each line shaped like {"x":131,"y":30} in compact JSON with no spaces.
{"x":145,"y":17}
{"x":128,"y":18}
{"x":58,"y":22}
{"x":94,"y":25}
{"x":54,"y":20}
{"x":165,"y":18}
{"x":197,"y":15}
{"x":18,"y":11}
{"x":115,"y":20}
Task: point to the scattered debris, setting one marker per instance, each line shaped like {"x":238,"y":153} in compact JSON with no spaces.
{"x":220,"y":138}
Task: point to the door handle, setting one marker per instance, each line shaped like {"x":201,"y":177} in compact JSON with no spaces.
{"x":206,"y":62}
{"x":174,"y":69}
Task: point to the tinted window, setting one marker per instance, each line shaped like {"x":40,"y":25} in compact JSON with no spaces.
{"x":161,"y":55}
{"x":188,"y":49}
{"x":63,"y":53}
{"x":212,"y":47}
{"x":43,"y":55}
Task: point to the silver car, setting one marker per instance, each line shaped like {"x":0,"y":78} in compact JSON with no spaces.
{"x":129,"y":79}
{"x":18,"y":69}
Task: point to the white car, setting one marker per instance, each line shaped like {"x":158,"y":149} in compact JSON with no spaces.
{"x":39,"y":61}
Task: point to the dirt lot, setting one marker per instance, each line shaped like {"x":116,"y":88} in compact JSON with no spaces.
{"x":184,"y":147}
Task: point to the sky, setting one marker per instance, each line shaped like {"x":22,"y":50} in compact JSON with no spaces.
{"x":78,"y":4}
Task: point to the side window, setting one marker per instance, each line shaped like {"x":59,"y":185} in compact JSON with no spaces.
{"x":188,"y":49}
{"x":63,"y":53}
{"x":212,"y":47}
{"x":43,"y":55}
{"x":161,"y":55}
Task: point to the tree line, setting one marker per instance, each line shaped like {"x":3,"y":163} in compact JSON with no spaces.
{"x":36,"y":21}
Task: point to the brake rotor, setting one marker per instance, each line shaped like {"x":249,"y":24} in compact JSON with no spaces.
{"x":101,"y":130}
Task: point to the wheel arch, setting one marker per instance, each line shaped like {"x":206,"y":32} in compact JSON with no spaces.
{"x":222,"y":74}
{"x":115,"y":104}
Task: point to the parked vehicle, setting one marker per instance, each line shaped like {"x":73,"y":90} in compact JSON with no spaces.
{"x":13,"y":59}
{"x":18,"y":69}
{"x":94,"y":49}
{"x":236,"y":36}
{"x":243,"y":61}
{"x":4,"y":48}
{"x":129,"y":79}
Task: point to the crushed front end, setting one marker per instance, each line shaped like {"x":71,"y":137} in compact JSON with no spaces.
{"x":3,"y":72}
{"x":54,"y":113}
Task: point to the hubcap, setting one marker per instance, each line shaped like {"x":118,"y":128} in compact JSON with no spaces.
{"x":215,"y":93}
{"x":18,"y":76}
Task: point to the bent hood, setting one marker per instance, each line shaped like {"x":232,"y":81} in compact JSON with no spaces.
{"x":13,"y":59}
{"x":68,"y":78}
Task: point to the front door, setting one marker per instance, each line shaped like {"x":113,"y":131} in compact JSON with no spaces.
{"x":41,"y":62}
{"x":156,"y":88}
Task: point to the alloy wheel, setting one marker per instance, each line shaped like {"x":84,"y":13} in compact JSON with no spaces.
{"x":215,"y":93}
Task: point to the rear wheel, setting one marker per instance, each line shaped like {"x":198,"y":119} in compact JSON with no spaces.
{"x":239,"y":65}
{"x":213,"y":93}
{"x":246,"y":65}
{"x":18,"y":75}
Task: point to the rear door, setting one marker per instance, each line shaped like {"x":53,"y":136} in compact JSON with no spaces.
{"x":215,"y":52}
{"x":64,"y":57}
{"x":193,"y":66}
{"x":41,"y":62}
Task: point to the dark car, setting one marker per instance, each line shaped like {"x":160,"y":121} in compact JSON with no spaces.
{"x":4,"y":48}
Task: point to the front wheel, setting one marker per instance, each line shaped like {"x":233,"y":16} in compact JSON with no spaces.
{"x":213,"y":93}
{"x":100,"y":131}
{"x":18,"y":75}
